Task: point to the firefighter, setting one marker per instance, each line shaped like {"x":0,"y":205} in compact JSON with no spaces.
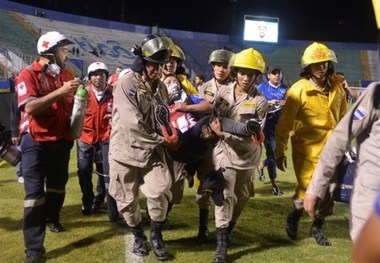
{"x":237,"y":156}
{"x":136,"y":156}
{"x":314,"y":106}
{"x":45,"y":98}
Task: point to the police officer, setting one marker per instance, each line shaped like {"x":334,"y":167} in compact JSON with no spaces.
{"x":219,"y":60}
{"x":314,"y":105}
{"x":45,"y":97}
{"x":363,"y":123}
{"x":237,"y":156}
{"x":95,"y":134}
{"x":136,"y":155}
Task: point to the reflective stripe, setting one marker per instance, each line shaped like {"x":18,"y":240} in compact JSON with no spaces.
{"x":34,"y":202}
{"x":58,"y":191}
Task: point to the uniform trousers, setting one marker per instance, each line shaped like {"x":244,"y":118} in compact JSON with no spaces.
{"x":43,"y":164}
{"x":236,"y":195}
{"x":154,"y":180}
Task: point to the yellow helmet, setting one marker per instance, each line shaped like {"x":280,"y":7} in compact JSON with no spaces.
{"x":248,"y":58}
{"x":178,"y":53}
{"x":316,"y":53}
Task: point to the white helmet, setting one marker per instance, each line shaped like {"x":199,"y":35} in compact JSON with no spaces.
{"x":95,"y":67}
{"x":49,"y":40}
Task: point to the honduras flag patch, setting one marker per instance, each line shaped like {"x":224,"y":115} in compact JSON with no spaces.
{"x":359,"y":114}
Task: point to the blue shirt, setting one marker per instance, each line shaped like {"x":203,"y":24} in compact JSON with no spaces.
{"x":273,"y":93}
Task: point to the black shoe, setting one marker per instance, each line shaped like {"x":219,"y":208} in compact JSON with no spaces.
{"x":55,"y":227}
{"x":162,"y":115}
{"x":99,"y":208}
{"x":276,"y":191}
{"x":320,"y":238}
{"x":260,"y":173}
{"x":157,"y":242}
{"x":140,"y":247}
{"x":190,"y":180}
{"x":34,"y":257}
{"x":86,"y":210}
{"x":292,"y":221}
{"x":203,"y":235}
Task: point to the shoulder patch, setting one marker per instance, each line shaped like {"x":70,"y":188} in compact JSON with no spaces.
{"x":224,"y":102}
{"x":132,"y":91}
{"x":21,"y":88}
{"x":359,"y":114}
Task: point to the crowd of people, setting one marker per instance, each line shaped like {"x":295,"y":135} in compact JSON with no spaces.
{"x":148,"y":128}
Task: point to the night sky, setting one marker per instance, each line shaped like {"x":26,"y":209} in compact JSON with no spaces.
{"x":321,"y":20}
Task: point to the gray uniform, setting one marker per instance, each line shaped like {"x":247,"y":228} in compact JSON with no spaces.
{"x":361,"y":122}
{"x":237,"y":155}
{"x":136,"y":157}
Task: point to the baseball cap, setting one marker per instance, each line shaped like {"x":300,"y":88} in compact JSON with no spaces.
{"x":273,"y":67}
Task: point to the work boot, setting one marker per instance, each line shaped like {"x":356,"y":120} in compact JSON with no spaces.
{"x":221,"y":245}
{"x":157,"y":242}
{"x":34,"y":257}
{"x":231,"y":226}
{"x":292,"y":221}
{"x":203,"y":232}
{"x":140,"y":247}
{"x":316,"y":232}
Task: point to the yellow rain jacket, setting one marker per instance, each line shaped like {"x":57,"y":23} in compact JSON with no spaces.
{"x":310,"y":116}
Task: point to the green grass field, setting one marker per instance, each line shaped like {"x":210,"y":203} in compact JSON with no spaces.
{"x":259,"y":235}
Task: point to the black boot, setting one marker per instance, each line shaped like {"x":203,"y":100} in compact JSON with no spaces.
{"x":203,"y":232}
{"x":292,"y":221}
{"x":221,"y":245}
{"x":140,"y":247}
{"x":231,"y":226}
{"x":157,"y":242}
{"x":316,"y":232}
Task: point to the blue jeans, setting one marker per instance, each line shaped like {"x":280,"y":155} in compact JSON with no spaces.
{"x":270,"y":145}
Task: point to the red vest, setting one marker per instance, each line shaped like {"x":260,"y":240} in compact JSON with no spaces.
{"x":53,"y":123}
{"x":96,"y":128}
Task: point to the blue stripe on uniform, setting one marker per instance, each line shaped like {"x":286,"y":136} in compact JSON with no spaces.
{"x":359,"y":114}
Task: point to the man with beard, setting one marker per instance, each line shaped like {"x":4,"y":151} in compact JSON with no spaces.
{"x":45,"y":98}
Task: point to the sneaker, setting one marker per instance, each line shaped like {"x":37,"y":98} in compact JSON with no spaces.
{"x":276,"y":191}
{"x":55,"y":227}
{"x":34,"y":257}
{"x":162,"y":115}
{"x":20,"y":180}
{"x":260,"y":173}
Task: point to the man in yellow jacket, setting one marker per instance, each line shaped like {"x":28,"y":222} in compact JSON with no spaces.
{"x":314,"y":106}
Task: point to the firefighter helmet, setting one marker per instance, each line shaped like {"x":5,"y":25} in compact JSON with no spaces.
{"x":178,"y":53}
{"x":220,"y":56}
{"x":157,"y":49}
{"x":316,"y":53}
{"x":248,"y":58}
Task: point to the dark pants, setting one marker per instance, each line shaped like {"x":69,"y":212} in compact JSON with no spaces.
{"x":113,"y":214}
{"x":270,"y":145}
{"x":43,"y":163}
{"x":87,"y":155}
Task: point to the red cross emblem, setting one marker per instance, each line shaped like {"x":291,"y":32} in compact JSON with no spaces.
{"x":45,"y":44}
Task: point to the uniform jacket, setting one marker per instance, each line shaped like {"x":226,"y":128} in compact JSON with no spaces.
{"x":311,"y":116}
{"x":134,"y":134}
{"x":363,"y":123}
{"x":240,"y":152}
{"x":53,"y":123}
{"x":96,"y":128}
{"x":209,"y":90}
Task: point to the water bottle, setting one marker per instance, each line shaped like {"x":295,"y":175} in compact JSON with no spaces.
{"x":78,"y":113}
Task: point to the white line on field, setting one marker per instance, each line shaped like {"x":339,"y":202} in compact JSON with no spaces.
{"x":129,"y":256}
